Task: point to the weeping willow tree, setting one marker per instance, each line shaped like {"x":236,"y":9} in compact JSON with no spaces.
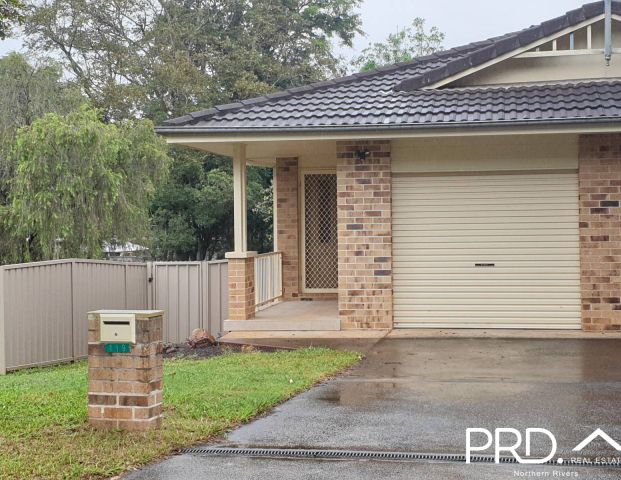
{"x":28,"y":90}
{"x":79,"y":182}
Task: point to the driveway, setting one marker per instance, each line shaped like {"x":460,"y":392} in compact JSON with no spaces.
{"x":420,"y":395}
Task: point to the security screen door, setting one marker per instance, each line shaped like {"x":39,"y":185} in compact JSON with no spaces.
{"x":319,"y":239}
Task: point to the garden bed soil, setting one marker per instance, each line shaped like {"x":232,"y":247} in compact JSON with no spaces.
{"x":183,"y":350}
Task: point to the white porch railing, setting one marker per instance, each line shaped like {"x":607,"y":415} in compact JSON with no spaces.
{"x":267,"y":278}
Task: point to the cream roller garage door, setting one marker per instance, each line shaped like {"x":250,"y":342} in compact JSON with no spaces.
{"x":486,"y":251}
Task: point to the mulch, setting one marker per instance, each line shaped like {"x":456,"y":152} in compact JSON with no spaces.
{"x":183,"y":350}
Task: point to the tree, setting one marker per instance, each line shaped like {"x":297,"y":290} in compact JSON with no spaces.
{"x":192,"y":211}
{"x":162,"y":58}
{"x":10,"y":14}
{"x":402,"y":46}
{"x":80,"y":182}
{"x":27,"y":92}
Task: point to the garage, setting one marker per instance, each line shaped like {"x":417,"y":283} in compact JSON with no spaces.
{"x":491,"y":250}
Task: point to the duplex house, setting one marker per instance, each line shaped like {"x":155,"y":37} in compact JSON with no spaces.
{"x":477,"y":187}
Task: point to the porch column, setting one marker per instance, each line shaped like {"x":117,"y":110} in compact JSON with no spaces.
{"x":240,"y":208}
{"x":364,"y":199}
{"x":241,"y":261}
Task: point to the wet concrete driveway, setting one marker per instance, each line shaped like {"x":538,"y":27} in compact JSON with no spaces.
{"x":420,"y":395}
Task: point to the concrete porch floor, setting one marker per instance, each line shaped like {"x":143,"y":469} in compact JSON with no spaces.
{"x":316,"y":315}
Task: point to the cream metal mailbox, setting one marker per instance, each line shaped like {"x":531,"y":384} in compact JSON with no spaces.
{"x":117,"y":328}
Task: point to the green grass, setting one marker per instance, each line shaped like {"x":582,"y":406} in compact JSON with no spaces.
{"x":43,"y":425}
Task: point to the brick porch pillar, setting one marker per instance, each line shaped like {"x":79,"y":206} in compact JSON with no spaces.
{"x":600,"y":231}
{"x":364,"y":215}
{"x":287,"y":224}
{"x":241,"y":285}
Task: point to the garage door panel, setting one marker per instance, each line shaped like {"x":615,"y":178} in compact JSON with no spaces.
{"x":459,"y":191}
{"x":483,"y":291}
{"x":533,"y":208}
{"x":520,"y":265}
{"x":473,"y":182}
{"x":513,"y":322}
{"x":483,"y":239}
{"x":443,"y":284}
{"x":476,"y":257}
{"x":499,"y":221}
{"x":524,"y":227}
{"x":442,"y":232}
{"x":484,"y":198}
{"x":487,"y":302}
{"x":450,"y":216}
{"x":445,"y":250}
{"x":496,"y":315}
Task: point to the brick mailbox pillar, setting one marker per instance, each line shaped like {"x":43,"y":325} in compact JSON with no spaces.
{"x":125,"y":369}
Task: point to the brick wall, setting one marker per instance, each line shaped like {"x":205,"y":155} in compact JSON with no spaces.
{"x":600,"y":231}
{"x":365,"y":234}
{"x":241,"y":288}
{"x":287,"y":224}
{"x":125,"y":389}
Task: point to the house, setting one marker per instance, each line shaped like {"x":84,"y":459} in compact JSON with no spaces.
{"x":129,"y":252}
{"x":473,"y":188}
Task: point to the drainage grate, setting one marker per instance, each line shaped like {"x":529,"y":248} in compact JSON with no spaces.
{"x":291,"y":453}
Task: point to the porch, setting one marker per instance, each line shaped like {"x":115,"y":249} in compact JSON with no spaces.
{"x":331,"y":266}
{"x":316,"y":315}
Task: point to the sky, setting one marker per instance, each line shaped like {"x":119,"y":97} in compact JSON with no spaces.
{"x":462,"y":21}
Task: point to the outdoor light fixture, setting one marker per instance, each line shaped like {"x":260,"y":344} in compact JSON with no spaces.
{"x":362,"y":154}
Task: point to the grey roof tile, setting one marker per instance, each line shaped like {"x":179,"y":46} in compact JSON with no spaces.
{"x":393,"y":95}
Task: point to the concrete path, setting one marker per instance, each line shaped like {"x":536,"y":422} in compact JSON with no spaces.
{"x":420,"y":395}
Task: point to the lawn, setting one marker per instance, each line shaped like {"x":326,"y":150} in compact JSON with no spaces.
{"x":43,"y":425}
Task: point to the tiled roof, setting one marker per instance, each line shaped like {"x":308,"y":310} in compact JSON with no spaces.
{"x":392,"y":97}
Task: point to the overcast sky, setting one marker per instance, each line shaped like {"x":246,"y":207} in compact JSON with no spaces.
{"x":462,"y":21}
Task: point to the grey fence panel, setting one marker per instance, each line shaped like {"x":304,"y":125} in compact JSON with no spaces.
{"x":43,"y":305}
{"x":217,"y":307}
{"x":178,"y":291}
{"x":192,"y":295}
{"x":104,"y":285}
{"x":2,"y":323}
{"x":38,"y":317}
{"x":136,"y":286}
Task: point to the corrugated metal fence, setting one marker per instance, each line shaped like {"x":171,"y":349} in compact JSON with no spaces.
{"x":192,"y":295}
{"x":43,"y":305}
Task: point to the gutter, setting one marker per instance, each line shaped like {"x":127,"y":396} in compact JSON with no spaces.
{"x":414,"y":127}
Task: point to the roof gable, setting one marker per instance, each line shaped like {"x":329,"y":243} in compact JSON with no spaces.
{"x":510,"y":45}
{"x":398,"y":95}
{"x":573,"y":54}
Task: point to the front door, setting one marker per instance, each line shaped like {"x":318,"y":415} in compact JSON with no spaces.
{"x":319,"y":235}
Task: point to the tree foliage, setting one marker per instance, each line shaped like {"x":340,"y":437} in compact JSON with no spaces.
{"x":156,"y":59}
{"x":163,"y":58}
{"x":27,"y":92}
{"x":80,"y":181}
{"x":192,"y":210}
{"x":402,"y":46}
{"x":10,"y":14}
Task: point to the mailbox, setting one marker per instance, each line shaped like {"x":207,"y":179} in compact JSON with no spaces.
{"x":117,"y":328}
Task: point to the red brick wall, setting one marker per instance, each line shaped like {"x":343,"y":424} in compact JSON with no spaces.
{"x":365,"y":234}
{"x":600,"y":231}
{"x":287,"y":225}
